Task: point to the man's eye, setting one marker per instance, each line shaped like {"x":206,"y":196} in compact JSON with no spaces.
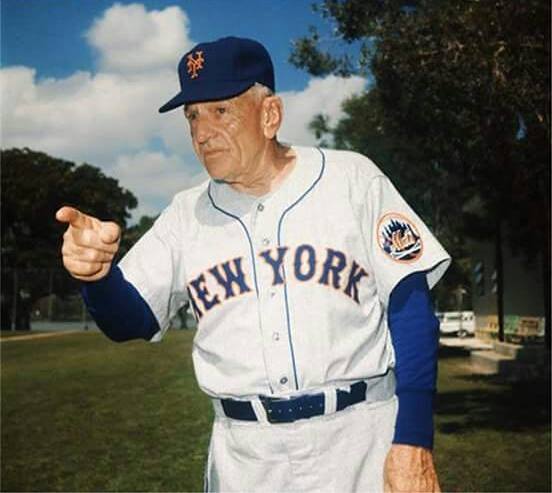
{"x":191,"y":116}
{"x":221,"y":110}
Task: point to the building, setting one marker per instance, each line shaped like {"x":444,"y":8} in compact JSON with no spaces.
{"x":524,"y":308}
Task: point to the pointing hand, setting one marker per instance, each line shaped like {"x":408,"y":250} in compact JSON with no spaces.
{"x":89,"y":244}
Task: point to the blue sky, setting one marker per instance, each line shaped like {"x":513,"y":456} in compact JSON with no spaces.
{"x":47,"y":34}
{"x":82,"y":80}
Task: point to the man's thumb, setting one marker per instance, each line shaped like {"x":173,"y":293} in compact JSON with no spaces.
{"x":110,"y":232}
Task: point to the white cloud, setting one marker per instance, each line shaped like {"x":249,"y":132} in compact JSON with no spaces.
{"x":94,"y":117}
{"x":129,"y":38}
{"x":110,"y":119}
{"x":321,"y":96}
{"x":155,"y":177}
{"x":84,"y":117}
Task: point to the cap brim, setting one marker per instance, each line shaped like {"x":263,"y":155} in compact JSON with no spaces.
{"x":197,"y":92}
{"x":173,"y":103}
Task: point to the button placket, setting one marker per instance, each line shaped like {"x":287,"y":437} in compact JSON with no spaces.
{"x":276,"y":352}
{"x":263,"y":227}
{"x":271,"y":308}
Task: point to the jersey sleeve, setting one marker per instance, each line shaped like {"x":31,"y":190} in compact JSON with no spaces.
{"x":153,"y":266}
{"x":399,"y":243}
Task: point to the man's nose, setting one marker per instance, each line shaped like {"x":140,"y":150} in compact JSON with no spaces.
{"x":204,"y":131}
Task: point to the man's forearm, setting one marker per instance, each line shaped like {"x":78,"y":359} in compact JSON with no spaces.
{"x":118,"y":308}
{"x":415,"y":334}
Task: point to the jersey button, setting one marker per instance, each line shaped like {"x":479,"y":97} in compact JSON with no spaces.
{"x":260,"y":207}
{"x":283,"y":380}
{"x":276,"y":336}
{"x":266,"y":241}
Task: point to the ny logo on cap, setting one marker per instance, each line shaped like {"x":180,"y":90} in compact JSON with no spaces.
{"x":195,"y":64}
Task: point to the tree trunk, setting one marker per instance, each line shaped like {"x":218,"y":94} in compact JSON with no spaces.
{"x":6,"y":312}
{"x":499,"y":279}
{"x":14,"y":300}
{"x":546,"y":288}
{"x":23,"y":313}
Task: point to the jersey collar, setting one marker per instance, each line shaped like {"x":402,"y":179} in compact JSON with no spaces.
{"x":308,"y":170}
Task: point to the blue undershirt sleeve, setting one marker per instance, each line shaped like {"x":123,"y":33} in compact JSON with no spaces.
{"x":118,"y":308}
{"x":415,"y":335}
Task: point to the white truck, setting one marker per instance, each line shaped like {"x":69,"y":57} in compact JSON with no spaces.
{"x":461,"y":324}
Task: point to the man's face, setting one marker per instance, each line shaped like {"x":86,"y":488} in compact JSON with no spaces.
{"x":227,"y":135}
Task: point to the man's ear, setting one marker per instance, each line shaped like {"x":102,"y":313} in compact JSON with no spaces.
{"x":272,"y":112}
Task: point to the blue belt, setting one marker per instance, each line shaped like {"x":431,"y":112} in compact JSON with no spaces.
{"x":288,"y":410}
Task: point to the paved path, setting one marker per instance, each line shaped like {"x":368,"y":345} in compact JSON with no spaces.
{"x":38,"y":336}
{"x":469,"y":343}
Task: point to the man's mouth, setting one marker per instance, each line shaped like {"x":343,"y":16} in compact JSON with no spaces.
{"x":212,"y":152}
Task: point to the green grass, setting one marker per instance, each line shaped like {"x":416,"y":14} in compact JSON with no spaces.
{"x":491,"y":435}
{"x":80,"y":413}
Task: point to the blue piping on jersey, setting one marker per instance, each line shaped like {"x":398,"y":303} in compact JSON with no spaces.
{"x":283,"y":267}
{"x":246,"y":233}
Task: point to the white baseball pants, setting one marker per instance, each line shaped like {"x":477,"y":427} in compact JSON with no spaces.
{"x":340,"y":452}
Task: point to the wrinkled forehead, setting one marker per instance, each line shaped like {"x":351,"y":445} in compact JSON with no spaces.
{"x":243,"y":100}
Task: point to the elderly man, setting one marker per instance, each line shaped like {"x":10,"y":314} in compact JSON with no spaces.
{"x":309,"y":278}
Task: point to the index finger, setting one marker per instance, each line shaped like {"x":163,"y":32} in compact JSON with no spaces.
{"x":74,"y":217}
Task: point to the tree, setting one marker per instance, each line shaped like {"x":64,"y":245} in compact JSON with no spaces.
{"x":465,"y":85}
{"x":34,"y":186}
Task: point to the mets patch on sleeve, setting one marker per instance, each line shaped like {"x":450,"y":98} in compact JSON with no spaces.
{"x":399,"y":238}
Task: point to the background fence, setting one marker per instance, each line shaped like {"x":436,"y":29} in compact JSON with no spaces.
{"x":49,"y":299}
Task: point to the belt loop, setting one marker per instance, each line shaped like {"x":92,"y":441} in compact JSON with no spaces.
{"x":217,"y":406}
{"x":330,"y":401}
{"x":259,"y":410}
{"x":380,"y":388}
{"x":391,"y":382}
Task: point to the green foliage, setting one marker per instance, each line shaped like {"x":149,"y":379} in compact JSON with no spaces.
{"x":306,"y":55}
{"x":354,"y":21}
{"x":34,"y":187}
{"x":462,"y":84}
{"x":460,"y":79}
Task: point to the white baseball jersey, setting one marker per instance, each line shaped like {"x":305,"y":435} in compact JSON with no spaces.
{"x":289,"y":289}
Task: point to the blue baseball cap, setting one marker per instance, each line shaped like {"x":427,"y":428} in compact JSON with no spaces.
{"x":220,"y":70}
